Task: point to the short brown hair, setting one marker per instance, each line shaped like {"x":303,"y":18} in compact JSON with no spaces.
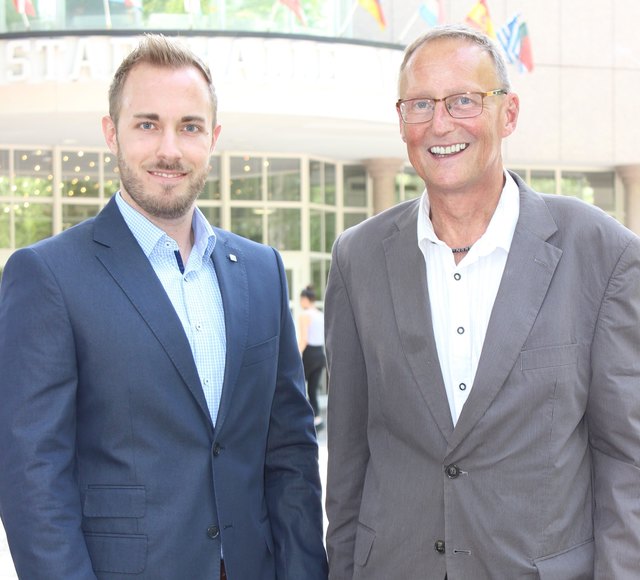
{"x":157,"y":50}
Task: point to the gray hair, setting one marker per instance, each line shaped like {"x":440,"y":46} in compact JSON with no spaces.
{"x":461,"y":32}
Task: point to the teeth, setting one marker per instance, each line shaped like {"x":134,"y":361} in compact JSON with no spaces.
{"x":167,"y":175}
{"x":449,"y":149}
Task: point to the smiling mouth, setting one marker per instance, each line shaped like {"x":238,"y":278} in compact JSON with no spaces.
{"x":448,"y":150}
{"x":167,"y":175}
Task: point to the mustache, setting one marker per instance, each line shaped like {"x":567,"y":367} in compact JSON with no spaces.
{"x":160,"y":166}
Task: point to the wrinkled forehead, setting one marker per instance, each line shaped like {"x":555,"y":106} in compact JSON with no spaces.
{"x":449,"y":64}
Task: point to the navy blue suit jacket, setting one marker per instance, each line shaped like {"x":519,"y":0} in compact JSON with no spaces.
{"x":110,"y":464}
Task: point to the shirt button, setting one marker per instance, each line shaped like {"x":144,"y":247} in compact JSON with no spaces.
{"x":457,"y":276}
{"x":460,"y":330}
{"x":439,"y":546}
{"x":452,"y":471}
{"x":198,"y":326}
{"x":462,"y":387}
{"x":213,"y":532}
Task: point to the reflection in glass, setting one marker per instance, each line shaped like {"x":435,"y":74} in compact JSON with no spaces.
{"x":353,"y":218}
{"x":542,"y":181}
{"x":5,"y":225}
{"x":246,"y":178}
{"x":73,"y":214}
{"x":80,"y":174}
{"x":593,"y":187}
{"x":213,"y":215}
{"x":33,"y":222}
{"x":283,"y":179}
{"x":284,"y":229}
{"x":355,"y":185}
{"x":212,"y":186}
{"x":247,"y":223}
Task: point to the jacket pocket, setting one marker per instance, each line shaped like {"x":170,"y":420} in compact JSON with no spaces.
{"x":113,"y":501}
{"x":549,"y":357}
{"x":117,"y":553}
{"x":259,"y":352}
{"x":364,"y":542}
{"x":573,"y":564}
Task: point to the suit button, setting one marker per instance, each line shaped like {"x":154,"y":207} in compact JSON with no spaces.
{"x":213,"y":532}
{"x":452,"y":471}
{"x":439,"y":546}
{"x":216,"y":449}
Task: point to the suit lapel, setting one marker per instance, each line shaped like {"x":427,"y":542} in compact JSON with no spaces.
{"x":410,"y":300}
{"x":119,"y":252}
{"x":231,"y":271}
{"x":528,"y":272}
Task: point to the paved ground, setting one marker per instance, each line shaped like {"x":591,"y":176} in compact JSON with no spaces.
{"x":8,"y":572}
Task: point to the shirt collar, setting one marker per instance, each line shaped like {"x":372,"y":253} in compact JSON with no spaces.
{"x":149,"y":235}
{"x":499,"y":233}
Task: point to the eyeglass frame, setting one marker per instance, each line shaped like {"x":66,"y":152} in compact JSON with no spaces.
{"x":493,"y":93}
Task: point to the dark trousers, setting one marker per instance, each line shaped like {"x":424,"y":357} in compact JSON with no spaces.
{"x":314,"y":361}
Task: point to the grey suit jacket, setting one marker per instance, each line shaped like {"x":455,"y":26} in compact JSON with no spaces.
{"x":540,"y":478}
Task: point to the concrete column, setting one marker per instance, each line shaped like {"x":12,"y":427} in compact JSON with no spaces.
{"x":630,"y":175}
{"x":383,"y":172}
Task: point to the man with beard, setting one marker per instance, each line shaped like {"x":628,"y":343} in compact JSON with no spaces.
{"x":154,"y":422}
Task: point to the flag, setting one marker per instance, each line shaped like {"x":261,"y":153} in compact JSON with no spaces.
{"x":192,"y":7}
{"x":296,"y":8}
{"x":374,"y":8}
{"x":479,"y":17}
{"x":514,"y":39}
{"x":24,"y":7}
{"x":432,"y":12}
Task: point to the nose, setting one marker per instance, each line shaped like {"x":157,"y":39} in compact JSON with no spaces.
{"x":442,"y":121}
{"x":168,"y":146}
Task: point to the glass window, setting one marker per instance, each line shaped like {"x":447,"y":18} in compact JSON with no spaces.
{"x":246,"y":178}
{"x":330,"y":184}
{"x":316,"y":187}
{"x":5,"y":225}
{"x":351,"y":219}
{"x":32,"y":222}
{"x":593,"y":187}
{"x":542,"y":181}
{"x":73,"y":214}
{"x":247,"y":222}
{"x":355,"y":185}
{"x":212,"y":186}
{"x":4,"y":173}
{"x":284,"y":229}
{"x":409,"y":185}
{"x":319,"y":273}
{"x":80,"y":174}
{"x":283,"y":179}
{"x":33,"y":173}
{"x":213,"y":215}
{"x":111,"y":174}
{"x":329,"y":230}
{"x":315,"y":230}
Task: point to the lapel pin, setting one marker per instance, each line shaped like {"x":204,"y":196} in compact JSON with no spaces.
{"x":233,"y":258}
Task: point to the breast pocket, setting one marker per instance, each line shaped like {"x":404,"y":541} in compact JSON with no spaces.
{"x":260,"y":352}
{"x":549,"y":357}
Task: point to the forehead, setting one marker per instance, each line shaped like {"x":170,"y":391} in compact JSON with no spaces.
{"x":158,"y":86}
{"x":445,"y":66}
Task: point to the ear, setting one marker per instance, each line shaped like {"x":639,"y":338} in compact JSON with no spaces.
{"x":110,"y":134}
{"x":511,"y":112}
{"x":216,"y":134}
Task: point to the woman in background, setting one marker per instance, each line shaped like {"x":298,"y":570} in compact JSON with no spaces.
{"x":311,"y":345}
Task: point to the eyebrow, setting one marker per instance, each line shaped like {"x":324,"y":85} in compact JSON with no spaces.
{"x":156,"y":117}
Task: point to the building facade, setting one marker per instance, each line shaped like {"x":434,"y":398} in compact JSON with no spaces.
{"x":310,"y":142}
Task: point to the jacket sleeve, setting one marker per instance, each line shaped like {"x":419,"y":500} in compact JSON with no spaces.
{"x":346,"y":420}
{"x":613,"y":416}
{"x":292,"y":477}
{"x":39,"y":497}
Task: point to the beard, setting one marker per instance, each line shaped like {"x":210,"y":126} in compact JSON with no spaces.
{"x":169,"y":203}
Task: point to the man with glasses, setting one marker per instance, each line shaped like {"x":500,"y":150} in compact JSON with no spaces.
{"x":483,"y":349}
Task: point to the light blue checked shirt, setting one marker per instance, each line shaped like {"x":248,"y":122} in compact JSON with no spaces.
{"x":193,"y":290}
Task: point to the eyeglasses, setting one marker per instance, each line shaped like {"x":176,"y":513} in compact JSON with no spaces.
{"x":460,"y":106}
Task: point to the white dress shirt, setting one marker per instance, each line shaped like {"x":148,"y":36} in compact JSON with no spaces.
{"x":194,"y":292}
{"x":461,"y":296}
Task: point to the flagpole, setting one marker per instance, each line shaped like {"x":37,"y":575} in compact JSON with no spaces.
{"x":411,"y":22}
{"x":22,"y":4}
{"x":349,"y":18}
{"x":107,"y":13}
